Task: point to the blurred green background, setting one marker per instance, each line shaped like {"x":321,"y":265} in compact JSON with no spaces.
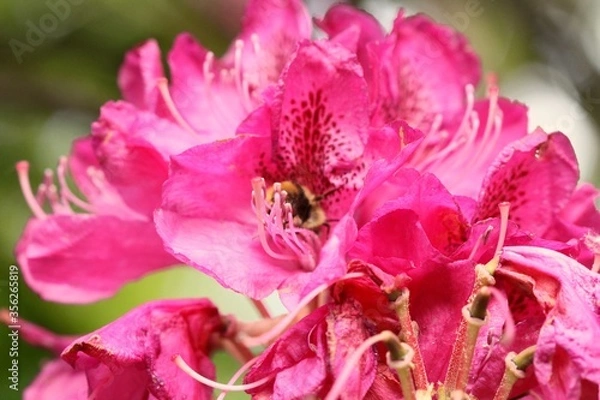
{"x":545,"y":54}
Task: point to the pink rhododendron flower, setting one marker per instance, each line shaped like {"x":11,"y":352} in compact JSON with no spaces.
{"x":317,"y":140}
{"x":132,"y":356}
{"x":121,"y":166}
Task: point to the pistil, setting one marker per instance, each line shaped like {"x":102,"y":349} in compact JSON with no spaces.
{"x":516,"y":364}
{"x":410,"y":336}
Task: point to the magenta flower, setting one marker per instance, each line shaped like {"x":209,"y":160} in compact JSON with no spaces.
{"x":313,"y":133}
{"x":132,"y":357}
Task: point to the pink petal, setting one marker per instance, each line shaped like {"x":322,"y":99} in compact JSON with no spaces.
{"x":536,"y":175}
{"x":320,"y":122}
{"x":277,"y":26}
{"x":133,"y":148}
{"x":132,"y":356}
{"x":413,"y":229}
{"x":567,"y":349}
{"x":354,"y":28}
{"x":57,"y":380}
{"x":422,"y":69}
{"x":212,"y":105}
{"x":94,"y":256}
{"x":206,"y":218}
{"x":300,"y":352}
{"x":139,"y":73}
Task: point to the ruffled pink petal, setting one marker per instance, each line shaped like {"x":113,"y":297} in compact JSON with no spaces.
{"x":83,"y":258}
{"x":353,"y":28}
{"x":423,"y":224}
{"x":57,"y":380}
{"x":139,"y":74}
{"x":346,"y":331}
{"x":421,"y":70}
{"x":206,"y":218}
{"x":132,"y":356}
{"x":567,"y":349}
{"x":300,"y":352}
{"x":536,"y":175}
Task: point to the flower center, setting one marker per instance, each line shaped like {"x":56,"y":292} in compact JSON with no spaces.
{"x":287,"y":221}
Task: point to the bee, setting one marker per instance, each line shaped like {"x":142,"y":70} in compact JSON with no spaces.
{"x":306,"y":209}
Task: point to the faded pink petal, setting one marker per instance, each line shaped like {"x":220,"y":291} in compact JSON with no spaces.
{"x":536,"y":175}
{"x":132,"y":356}
{"x":300,"y":352}
{"x":346,"y":331}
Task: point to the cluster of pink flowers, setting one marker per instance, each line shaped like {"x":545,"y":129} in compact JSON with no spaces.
{"x":423,"y":242}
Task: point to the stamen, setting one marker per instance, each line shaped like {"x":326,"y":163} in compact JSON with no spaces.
{"x":216,"y":385}
{"x":352,"y":361}
{"x":65,"y":191}
{"x":209,"y":76}
{"x":23,"y":174}
{"x":409,"y":335}
{"x":504,"y":211}
{"x":276,"y":231}
{"x":238,"y":74}
{"x":492,"y":130}
{"x":288,"y":319}
{"x":237,"y":375}
{"x":163,"y":87}
{"x":516,"y":364}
